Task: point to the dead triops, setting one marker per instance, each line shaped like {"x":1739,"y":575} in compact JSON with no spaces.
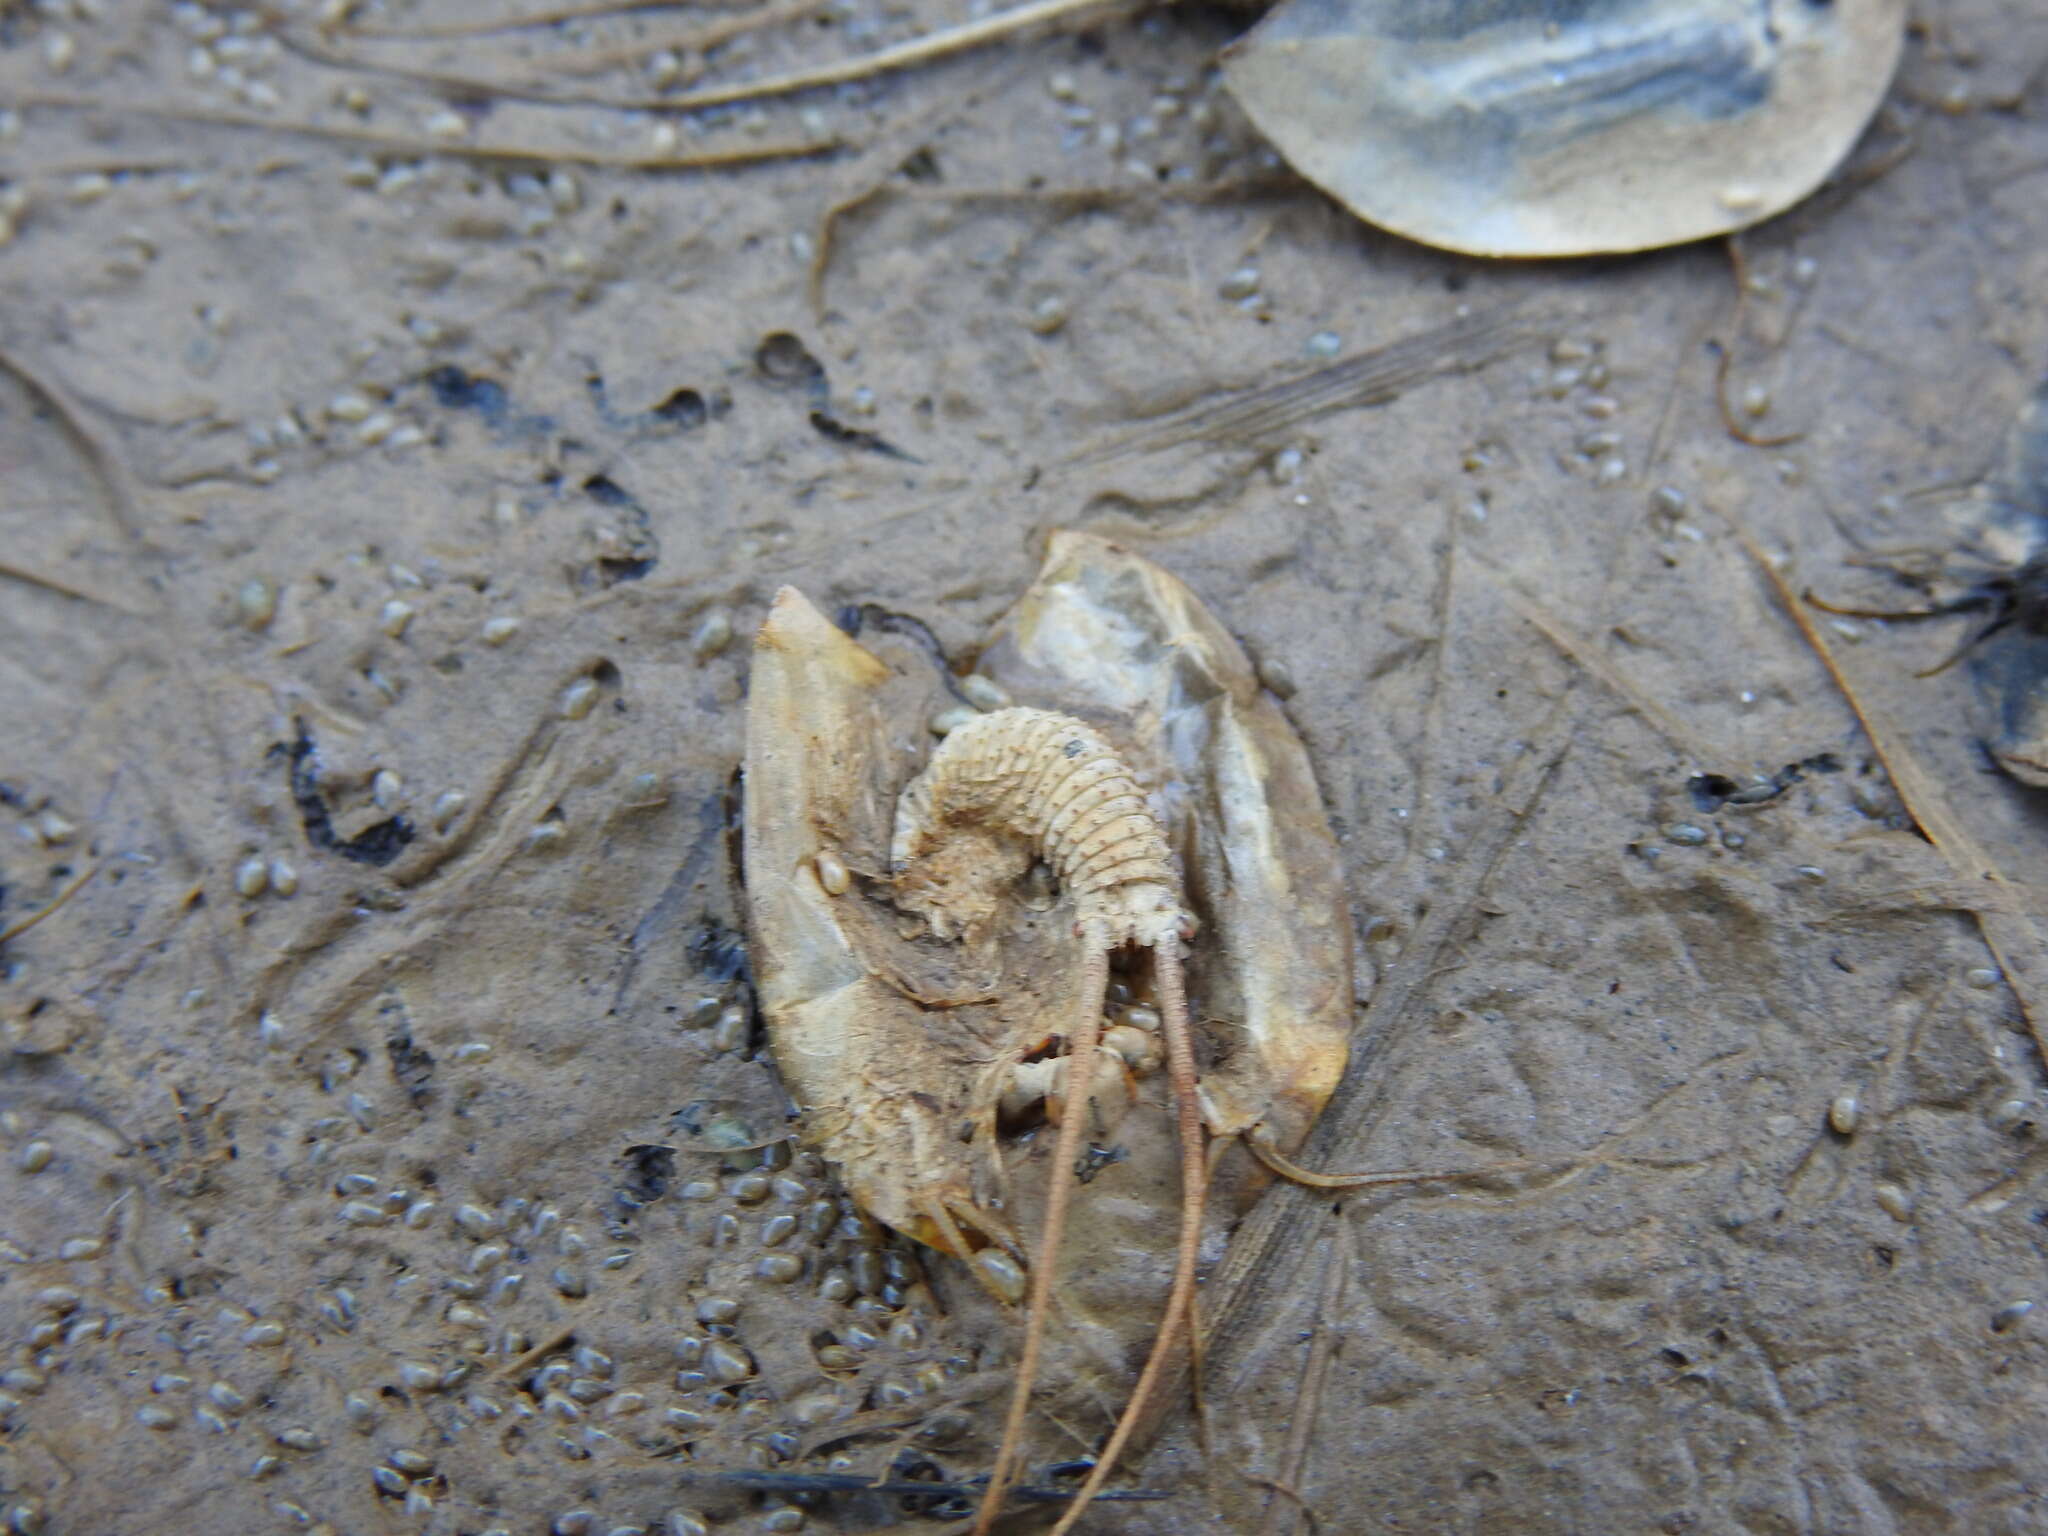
{"x":1121,"y":817}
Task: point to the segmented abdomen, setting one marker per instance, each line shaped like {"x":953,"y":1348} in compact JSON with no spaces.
{"x":1050,"y":779}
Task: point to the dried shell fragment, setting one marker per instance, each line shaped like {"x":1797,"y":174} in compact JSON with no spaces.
{"x":1528,"y":128}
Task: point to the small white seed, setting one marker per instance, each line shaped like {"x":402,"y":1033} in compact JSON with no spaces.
{"x":500,"y":629}
{"x":1002,"y":1273}
{"x":1894,"y":1202}
{"x":396,"y":615}
{"x":833,"y":874}
{"x":984,"y":693}
{"x":1842,"y":1114}
{"x":727,"y":1362}
{"x":712,"y":635}
{"x":1048,"y":315}
{"x":255,"y":604}
{"x":283,"y":878}
{"x":947,"y":721}
{"x":252,"y":878}
{"x":579,"y":698}
{"x":1241,"y":284}
{"x":447,"y":807}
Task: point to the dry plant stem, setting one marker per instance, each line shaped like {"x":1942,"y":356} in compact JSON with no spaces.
{"x":918,"y":51}
{"x":483,"y":27}
{"x":1315,"y":1371}
{"x":399,"y":143}
{"x":69,"y":891}
{"x":702,"y":40}
{"x":52,"y":584}
{"x":1180,"y":1059}
{"x":1729,"y":422}
{"x":1597,"y":665}
{"x":1080,"y":1071}
{"x":543,"y":88}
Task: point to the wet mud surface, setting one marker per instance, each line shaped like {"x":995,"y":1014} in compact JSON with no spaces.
{"x":386,"y":1139}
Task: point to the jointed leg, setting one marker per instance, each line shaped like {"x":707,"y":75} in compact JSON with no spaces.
{"x":1081,"y":1046}
{"x":1180,"y":1066}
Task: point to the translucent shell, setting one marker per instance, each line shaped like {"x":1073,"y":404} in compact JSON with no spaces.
{"x":1529,"y":128}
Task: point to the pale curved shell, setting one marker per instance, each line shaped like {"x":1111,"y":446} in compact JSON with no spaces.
{"x":1541,"y":128}
{"x":883,"y":1080}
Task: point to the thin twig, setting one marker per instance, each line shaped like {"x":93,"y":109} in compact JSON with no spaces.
{"x":52,"y":584}
{"x":2008,"y":936}
{"x":936,"y":45}
{"x":1599,"y":666}
{"x":69,"y":891}
{"x":408,"y":144}
{"x":541,"y":89}
{"x":1307,"y":1402}
{"x":702,"y":40}
{"x":552,"y":16}
{"x":1729,"y":421}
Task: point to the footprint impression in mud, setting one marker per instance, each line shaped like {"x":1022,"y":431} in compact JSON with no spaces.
{"x":1122,"y":866}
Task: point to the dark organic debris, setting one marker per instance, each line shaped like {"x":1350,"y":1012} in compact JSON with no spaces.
{"x":1712,"y":791}
{"x":785,"y":361}
{"x":649,"y":1170}
{"x":636,"y":529}
{"x":682,"y":409}
{"x":720,"y":952}
{"x":857,"y":617}
{"x":834,"y":430}
{"x":1097,"y":1158}
{"x":922,"y":1487}
{"x":412,"y":1066}
{"x":460,"y":391}
{"x":376,"y":845}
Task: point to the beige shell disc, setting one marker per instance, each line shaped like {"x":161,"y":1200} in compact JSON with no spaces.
{"x":1566,"y":127}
